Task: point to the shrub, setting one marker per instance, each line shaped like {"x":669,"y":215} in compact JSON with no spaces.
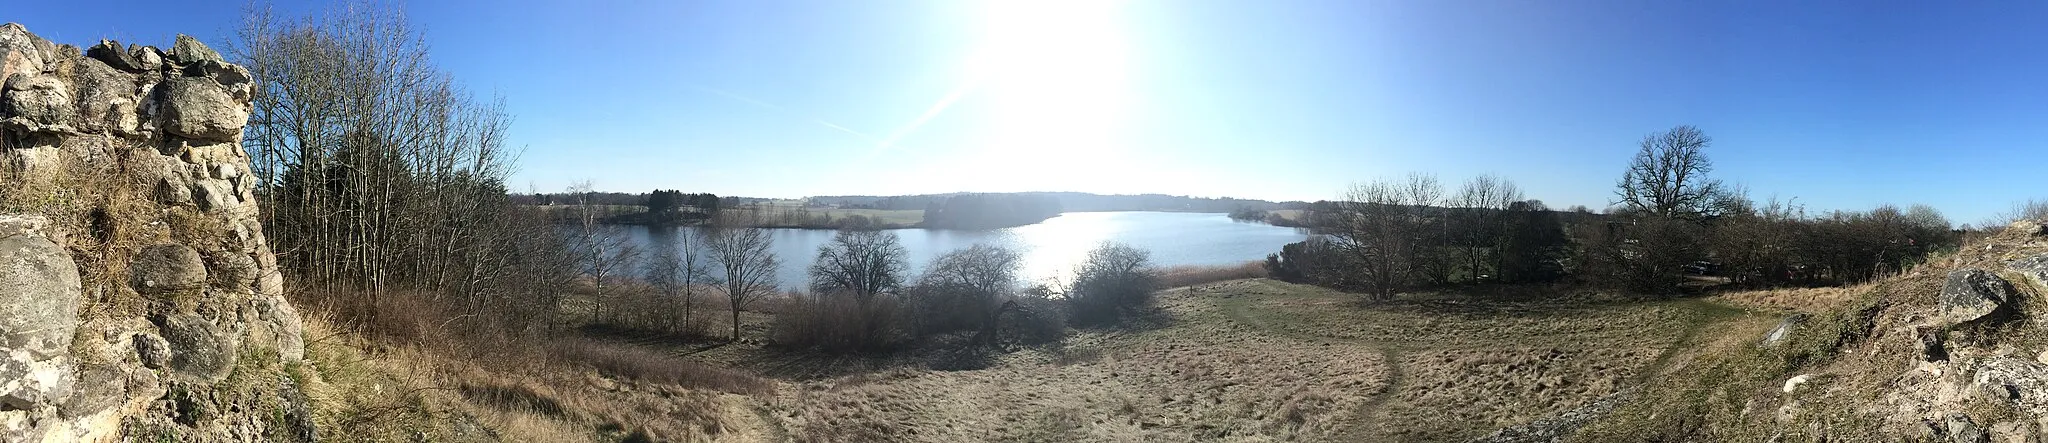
{"x":1048,"y":321}
{"x":1116,"y":280}
{"x":1314,"y":261}
{"x":960,"y":289}
{"x":839,"y":323}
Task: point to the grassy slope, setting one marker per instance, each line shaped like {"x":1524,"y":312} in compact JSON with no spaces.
{"x":1251,"y":359}
{"x":1859,"y":351}
{"x":1254,"y":360}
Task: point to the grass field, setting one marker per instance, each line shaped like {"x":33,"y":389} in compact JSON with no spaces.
{"x":1252,"y":359}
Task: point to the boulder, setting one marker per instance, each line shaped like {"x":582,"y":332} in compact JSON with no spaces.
{"x":199,"y":109}
{"x":20,"y":51}
{"x":42,"y":99}
{"x":39,"y":308}
{"x":1971,"y":295}
{"x":200,"y":351}
{"x":165,"y":268}
{"x":189,"y":50}
{"x":2035,"y":268}
{"x":114,"y":55}
{"x":38,"y":317}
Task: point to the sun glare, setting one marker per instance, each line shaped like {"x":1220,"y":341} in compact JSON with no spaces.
{"x":1056,"y":72}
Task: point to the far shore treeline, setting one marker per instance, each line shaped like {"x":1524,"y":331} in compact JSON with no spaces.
{"x":936,"y":211}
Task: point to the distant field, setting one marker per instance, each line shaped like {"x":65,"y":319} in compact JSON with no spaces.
{"x":1290,"y":214}
{"x":787,"y":216}
{"x":1247,"y":360}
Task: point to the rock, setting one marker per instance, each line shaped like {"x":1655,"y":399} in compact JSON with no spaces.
{"x":224,"y":73}
{"x":2027,"y":227}
{"x":275,"y":324}
{"x":38,"y":317}
{"x":2020,"y":381}
{"x":1928,"y":341}
{"x":189,"y":50}
{"x":99,"y":388}
{"x":147,"y":57}
{"x":213,"y":195}
{"x":154,"y":366}
{"x":114,"y":55}
{"x":1556,"y":428}
{"x":20,"y":51}
{"x":1784,"y":330}
{"x":1793,"y":383}
{"x":201,"y":110}
{"x":1962,"y":430}
{"x":165,"y":268}
{"x":28,"y":225}
{"x":199,"y":351}
{"x":2035,"y":268}
{"x":1971,"y":295}
{"x":2014,"y":432}
{"x":42,"y":99}
{"x":232,"y":270}
{"x":39,"y":308}
{"x":152,"y":351}
{"x":173,"y":191}
{"x":105,"y":98}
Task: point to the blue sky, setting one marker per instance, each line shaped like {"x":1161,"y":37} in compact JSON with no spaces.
{"x":1841,"y":105}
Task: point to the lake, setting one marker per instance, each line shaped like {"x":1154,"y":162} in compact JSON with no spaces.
{"x":1051,"y":248}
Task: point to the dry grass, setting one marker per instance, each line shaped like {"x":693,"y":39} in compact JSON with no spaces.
{"x":1263,"y":360}
{"x":403,"y":378}
{"x":1179,"y":276}
{"x":649,"y":366}
{"x":1796,"y":299}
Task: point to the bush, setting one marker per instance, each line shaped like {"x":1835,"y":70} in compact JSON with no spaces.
{"x":1115,"y":281}
{"x":1048,"y":321}
{"x":1316,"y":262}
{"x":840,"y":324}
{"x":960,"y":289}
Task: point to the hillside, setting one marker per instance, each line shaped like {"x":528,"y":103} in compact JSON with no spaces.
{"x":1950,"y":351}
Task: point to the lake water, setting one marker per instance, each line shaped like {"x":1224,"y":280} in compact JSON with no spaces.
{"x":1051,"y":248}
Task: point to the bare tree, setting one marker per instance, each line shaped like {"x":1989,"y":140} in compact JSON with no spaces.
{"x":1485,"y":200}
{"x":861,"y":263}
{"x":1668,"y":176}
{"x":1381,"y":226}
{"x":1115,"y":280}
{"x":377,"y":171}
{"x":606,"y":251}
{"x":676,"y":270}
{"x":960,"y":288}
{"x":747,"y":258}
